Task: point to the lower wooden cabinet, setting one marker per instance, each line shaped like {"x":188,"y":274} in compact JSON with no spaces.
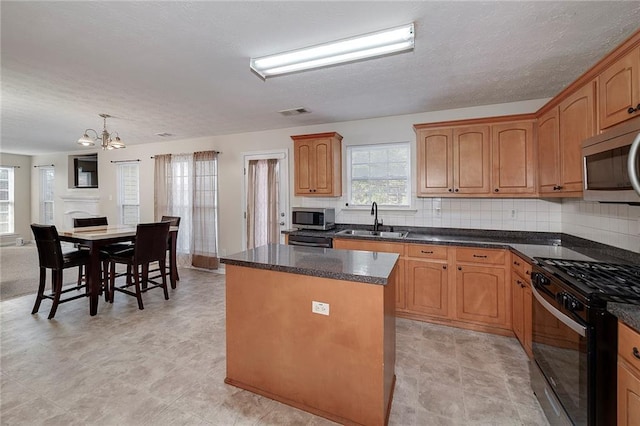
{"x":628,"y":376}
{"x":481,"y":294}
{"x":628,"y":396}
{"x":460,"y":286}
{"x":427,"y":287}
{"x":522,"y":303}
{"x":522,"y":319}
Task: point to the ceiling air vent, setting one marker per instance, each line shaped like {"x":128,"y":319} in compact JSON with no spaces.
{"x":164,"y":134}
{"x":294,"y":111}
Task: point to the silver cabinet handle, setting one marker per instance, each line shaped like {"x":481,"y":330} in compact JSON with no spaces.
{"x":632,"y":164}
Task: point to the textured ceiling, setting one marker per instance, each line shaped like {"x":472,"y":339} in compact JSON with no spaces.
{"x":183,"y":67}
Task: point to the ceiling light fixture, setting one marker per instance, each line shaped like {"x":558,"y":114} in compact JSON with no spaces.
{"x":393,"y":40}
{"x":105,"y":139}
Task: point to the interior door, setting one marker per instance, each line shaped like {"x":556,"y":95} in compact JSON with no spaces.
{"x":265,"y":197}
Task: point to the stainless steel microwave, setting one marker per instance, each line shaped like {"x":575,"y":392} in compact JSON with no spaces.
{"x":611,"y":162}
{"x":313,"y":218}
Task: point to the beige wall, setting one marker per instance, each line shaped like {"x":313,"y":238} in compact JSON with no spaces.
{"x":22,"y":199}
{"x":534,"y":215}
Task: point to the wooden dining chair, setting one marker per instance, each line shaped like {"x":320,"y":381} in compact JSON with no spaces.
{"x":150,"y":246}
{"x":50,"y":256}
{"x":83,"y":222}
{"x":173,"y":221}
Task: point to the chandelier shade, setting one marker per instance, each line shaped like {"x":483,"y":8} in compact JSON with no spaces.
{"x":105,"y":140}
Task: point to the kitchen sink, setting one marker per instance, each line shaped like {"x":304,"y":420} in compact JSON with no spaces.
{"x":365,"y":233}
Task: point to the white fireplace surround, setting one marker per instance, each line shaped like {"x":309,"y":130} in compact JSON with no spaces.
{"x":75,"y":206}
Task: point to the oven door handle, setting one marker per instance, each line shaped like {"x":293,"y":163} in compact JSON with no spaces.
{"x":632,"y":161}
{"x":578,"y":328}
{"x":300,"y":243}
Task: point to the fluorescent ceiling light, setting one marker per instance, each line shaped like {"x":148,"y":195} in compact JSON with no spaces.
{"x":366,"y":46}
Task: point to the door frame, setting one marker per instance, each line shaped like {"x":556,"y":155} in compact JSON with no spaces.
{"x":283,"y":156}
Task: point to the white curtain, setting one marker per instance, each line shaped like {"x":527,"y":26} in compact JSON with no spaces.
{"x":186,"y":186}
{"x":262,"y":203}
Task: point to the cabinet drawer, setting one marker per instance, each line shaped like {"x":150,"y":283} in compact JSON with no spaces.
{"x":521,"y":266}
{"x":629,"y":345}
{"x":353,"y":244}
{"x":428,"y":252}
{"x":480,"y":255}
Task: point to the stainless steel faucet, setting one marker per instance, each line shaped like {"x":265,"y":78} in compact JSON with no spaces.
{"x":374,"y":212}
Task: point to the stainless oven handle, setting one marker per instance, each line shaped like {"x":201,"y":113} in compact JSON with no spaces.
{"x":300,"y":243}
{"x":632,"y":162}
{"x":580,"y":329}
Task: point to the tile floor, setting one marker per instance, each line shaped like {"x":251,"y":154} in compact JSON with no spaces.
{"x":166,"y":365}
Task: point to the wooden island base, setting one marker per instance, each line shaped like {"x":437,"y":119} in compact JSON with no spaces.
{"x":339,"y":366}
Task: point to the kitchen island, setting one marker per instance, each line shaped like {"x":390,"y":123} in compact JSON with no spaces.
{"x":337,"y":362}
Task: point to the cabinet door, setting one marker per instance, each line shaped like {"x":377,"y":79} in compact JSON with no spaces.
{"x":577,"y":123}
{"x":322,"y":166}
{"x":512,"y":158}
{"x":435,"y":162}
{"x":619,"y":90}
{"x":548,"y":152}
{"x":517,"y":297}
{"x":481,"y":295}
{"x":303,"y":160}
{"x":427,"y":287}
{"x":471,"y":162}
{"x":628,"y":396}
{"x":527,"y":325}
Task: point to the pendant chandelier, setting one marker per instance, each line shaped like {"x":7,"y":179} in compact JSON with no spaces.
{"x":105,"y":140}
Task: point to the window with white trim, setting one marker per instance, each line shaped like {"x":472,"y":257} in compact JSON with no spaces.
{"x":380,"y":173}
{"x":6,"y":200}
{"x":47,"y":176}
{"x":129,"y":193}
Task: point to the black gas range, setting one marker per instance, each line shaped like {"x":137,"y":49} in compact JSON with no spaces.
{"x":575,"y":338}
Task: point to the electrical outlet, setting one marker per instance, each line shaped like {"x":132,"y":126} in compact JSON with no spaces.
{"x":320,"y":308}
{"x":513,"y":214}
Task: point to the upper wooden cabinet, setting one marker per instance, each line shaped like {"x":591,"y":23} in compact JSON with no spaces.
{"x":619,"y":90}
{"x":435,"y":161}
{"x":471,"y":160}
{"x":453,"y":161}
{"x":548,"y":152}
{"x":318,"y":164}
{"x":513,"y":164}
{"x":492,"y":158}
{"x":561,"y":132}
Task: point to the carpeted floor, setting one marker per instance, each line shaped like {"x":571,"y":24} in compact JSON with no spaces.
{"x":19,"y":271}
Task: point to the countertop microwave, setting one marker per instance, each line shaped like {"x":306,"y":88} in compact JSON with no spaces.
{"x":313,"y":218}
{"x":611,"y":162}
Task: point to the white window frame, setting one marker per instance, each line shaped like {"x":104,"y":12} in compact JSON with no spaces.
{"x":11,"y":200}
{"x":382,"y":206}
{"x":44,"y":191}
{"x":121,"y":203}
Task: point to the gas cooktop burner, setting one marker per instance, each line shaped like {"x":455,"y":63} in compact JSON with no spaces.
{"x":609,"y":281}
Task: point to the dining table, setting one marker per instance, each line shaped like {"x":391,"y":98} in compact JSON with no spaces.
{"x":97,"y":237}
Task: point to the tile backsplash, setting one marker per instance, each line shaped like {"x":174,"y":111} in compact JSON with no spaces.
{"x":613,"y":224}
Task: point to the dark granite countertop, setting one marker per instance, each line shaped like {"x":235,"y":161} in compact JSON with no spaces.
{"x":349,"y":265}
{"x":627,"y":313}
{"x":526,"y":244}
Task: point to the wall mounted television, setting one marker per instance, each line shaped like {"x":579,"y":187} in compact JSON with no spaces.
{"x":85,"y":171}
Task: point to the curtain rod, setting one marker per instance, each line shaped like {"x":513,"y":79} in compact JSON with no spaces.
{"x":10,"y":167}
{"x":125,"y":161}
{"x":187,"y":153}
{"x":45,"y":165}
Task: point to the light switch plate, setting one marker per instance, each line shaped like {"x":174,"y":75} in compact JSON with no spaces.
{"x":320,"y":308}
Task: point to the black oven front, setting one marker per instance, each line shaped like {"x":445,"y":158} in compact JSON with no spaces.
{"x":574,"y":351}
